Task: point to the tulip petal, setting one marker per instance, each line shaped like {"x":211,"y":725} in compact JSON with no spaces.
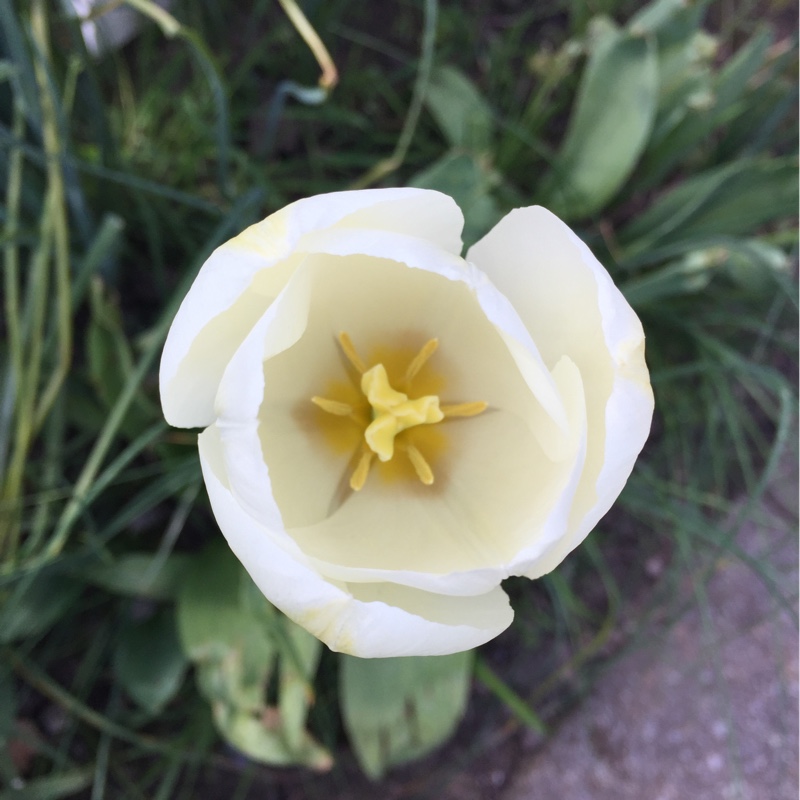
{"x":365,"y":620}
{"x":242,"y":277}
{"x":571,"y":306}
{"x":497,"y":492}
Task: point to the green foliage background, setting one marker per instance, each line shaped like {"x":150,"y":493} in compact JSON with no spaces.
{"x":666,"y":135}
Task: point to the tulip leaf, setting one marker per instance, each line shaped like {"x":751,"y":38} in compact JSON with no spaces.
{"x":35,"y":604}
{"x":733,"y":199}
{"x":470,"y":182}
{"x":140,"y":575}
{"x":689,"y":275}
{"x":460,"y":110}
{"x":609,"y":125}
{"x":398,"y":709}
{"x":659,"y":15}
{"x":148,"y":661}
{"x":724,"y":105}
{"x":240,"y":644}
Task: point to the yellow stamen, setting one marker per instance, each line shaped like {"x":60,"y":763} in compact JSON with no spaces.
{"x":464,"y":409}
{"x":417,"y":363}
{"x":393,"y":412}
{"x":359,"y":476}
{"x":349,"y":349}
{"x":336,"y":407}
{"x":421,"y":466}
{"x":388,"y":412}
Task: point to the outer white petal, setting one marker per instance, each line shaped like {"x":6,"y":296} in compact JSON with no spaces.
{"x":241,"y":278}
{"x":571,"y":307}
{"x":366,"y":620}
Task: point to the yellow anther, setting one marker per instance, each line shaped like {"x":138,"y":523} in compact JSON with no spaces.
{"x":464,"y":409}
{"x":359,"y":476}
{"x":349,"y":349}
{"x":390,"y":412}
{"x":375,"y":385}
{"x":421,"y":466}
{"x":427,"y":350}
{"x":393,"y":412}
{"x":336,"y":407}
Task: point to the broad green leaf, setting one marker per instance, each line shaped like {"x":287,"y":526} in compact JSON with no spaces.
{"x":609,"y":125}
{"x":148,"y":661}
{"x":239,"y":642}
{"x":211,"y":618}
{"x":398,"y":709}
{"x":35,"y":604}
{"x":140,"y":575}
{"x":461,"y":112}
{"x":470,"y":182}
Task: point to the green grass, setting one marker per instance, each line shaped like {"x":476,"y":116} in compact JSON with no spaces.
{"x":122,"y":174}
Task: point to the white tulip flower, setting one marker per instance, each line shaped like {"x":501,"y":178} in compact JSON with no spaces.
{"x":391,"y":430}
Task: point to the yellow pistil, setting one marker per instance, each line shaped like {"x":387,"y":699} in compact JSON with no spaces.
{"x":392,"y":412}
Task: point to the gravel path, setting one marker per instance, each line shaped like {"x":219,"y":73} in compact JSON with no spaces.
{"x":706,"y":711}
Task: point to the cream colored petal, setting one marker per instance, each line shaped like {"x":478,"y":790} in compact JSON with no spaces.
{"x":496,"y":493}
{"x":244,"y":275}
{"x":369,"y":621}
{"x":571,"y":307}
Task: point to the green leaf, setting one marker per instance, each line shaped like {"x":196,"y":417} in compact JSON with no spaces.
{"x":460,"y":111}
{"x":663,"y":17}
{"x":35,"y":604}
{"x":238,"y":642}
{"x":300,"y":653}
{"x":609,"y":125}
{"x":148,"y":661}
{"x":140,"y":575}
{"x":52,"y":787}
{"x":689,"y":275}
{"x":734,"y":199}
{"x":398,"y":709}
{"x":753,"y":265}
{"x":470,"y":182}
{"x":211,"y":617}
{"x":728,"y":88}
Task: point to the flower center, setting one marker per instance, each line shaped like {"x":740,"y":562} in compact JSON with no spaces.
{"x":393,"y":412}
{"x":390,"y":412}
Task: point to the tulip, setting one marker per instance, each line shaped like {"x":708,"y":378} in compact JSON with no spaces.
{"x":391,"y":430}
